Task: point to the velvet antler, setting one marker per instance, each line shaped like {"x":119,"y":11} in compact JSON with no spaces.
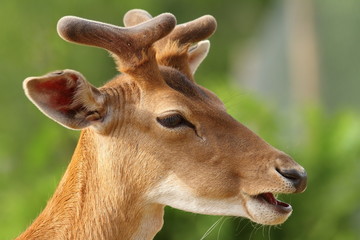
{"x":173,"y":50}
{"x":131,"y":46}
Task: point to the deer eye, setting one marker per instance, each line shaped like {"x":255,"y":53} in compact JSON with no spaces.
{"x":174,"y":121}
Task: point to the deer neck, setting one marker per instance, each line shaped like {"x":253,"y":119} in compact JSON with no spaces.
{"x":93,"y":201}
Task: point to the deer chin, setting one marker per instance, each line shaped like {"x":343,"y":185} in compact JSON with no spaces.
{"x":265,"y":209}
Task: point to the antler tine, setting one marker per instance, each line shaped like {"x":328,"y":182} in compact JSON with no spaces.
{"x":194,"y":31}
{"x":190,"y":32}
{"x":135,"y":17}
{"x":123,"y":42}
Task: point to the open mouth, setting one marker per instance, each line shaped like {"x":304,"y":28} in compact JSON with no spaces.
{"x":269,"y":198}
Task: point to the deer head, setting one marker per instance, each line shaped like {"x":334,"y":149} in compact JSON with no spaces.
{"x":152,"y":136}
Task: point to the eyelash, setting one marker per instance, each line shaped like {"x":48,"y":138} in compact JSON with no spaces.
{"x":174,"y":121}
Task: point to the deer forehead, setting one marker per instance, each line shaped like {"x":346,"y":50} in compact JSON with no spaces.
{"x":178,"y":93}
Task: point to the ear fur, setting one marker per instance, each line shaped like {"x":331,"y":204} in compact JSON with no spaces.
{"x":67,"y":98}
{"x":198,"y":54}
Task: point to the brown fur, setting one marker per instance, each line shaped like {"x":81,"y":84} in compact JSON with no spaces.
{"x":117,"y":182}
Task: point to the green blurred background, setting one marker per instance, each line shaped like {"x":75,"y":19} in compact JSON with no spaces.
{"x":288,"y":69}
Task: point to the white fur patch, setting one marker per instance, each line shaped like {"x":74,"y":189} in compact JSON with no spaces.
{"x":172,"y":192}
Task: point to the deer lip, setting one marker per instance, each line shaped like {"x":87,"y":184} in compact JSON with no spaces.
{"x":270,"y":199}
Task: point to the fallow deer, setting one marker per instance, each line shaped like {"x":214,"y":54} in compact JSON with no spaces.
{"x":152,"y":137}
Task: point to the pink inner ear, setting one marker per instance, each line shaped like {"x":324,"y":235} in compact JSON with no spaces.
{"x":61,"y":91}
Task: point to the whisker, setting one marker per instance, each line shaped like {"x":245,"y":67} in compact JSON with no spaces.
{"x":222,"y":224}
{"x":243,"y":227}
{"x":269,"y":233}
{"x":211,"y":228}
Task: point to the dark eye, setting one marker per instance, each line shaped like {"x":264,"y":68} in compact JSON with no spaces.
{"x":174,"y":121}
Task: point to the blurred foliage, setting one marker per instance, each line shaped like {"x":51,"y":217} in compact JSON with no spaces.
{"x":34,"y":151}
{"x":337,"y":25}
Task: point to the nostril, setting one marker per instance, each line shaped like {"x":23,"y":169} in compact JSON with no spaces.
{"x":298,"y":178}
{"x":290,"y":174}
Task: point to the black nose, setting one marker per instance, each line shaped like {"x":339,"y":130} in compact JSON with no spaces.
{"x":297,"y":177}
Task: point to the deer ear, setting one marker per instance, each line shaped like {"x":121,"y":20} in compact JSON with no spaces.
{"x":67,"y":98}
{"x":198,"y":54}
